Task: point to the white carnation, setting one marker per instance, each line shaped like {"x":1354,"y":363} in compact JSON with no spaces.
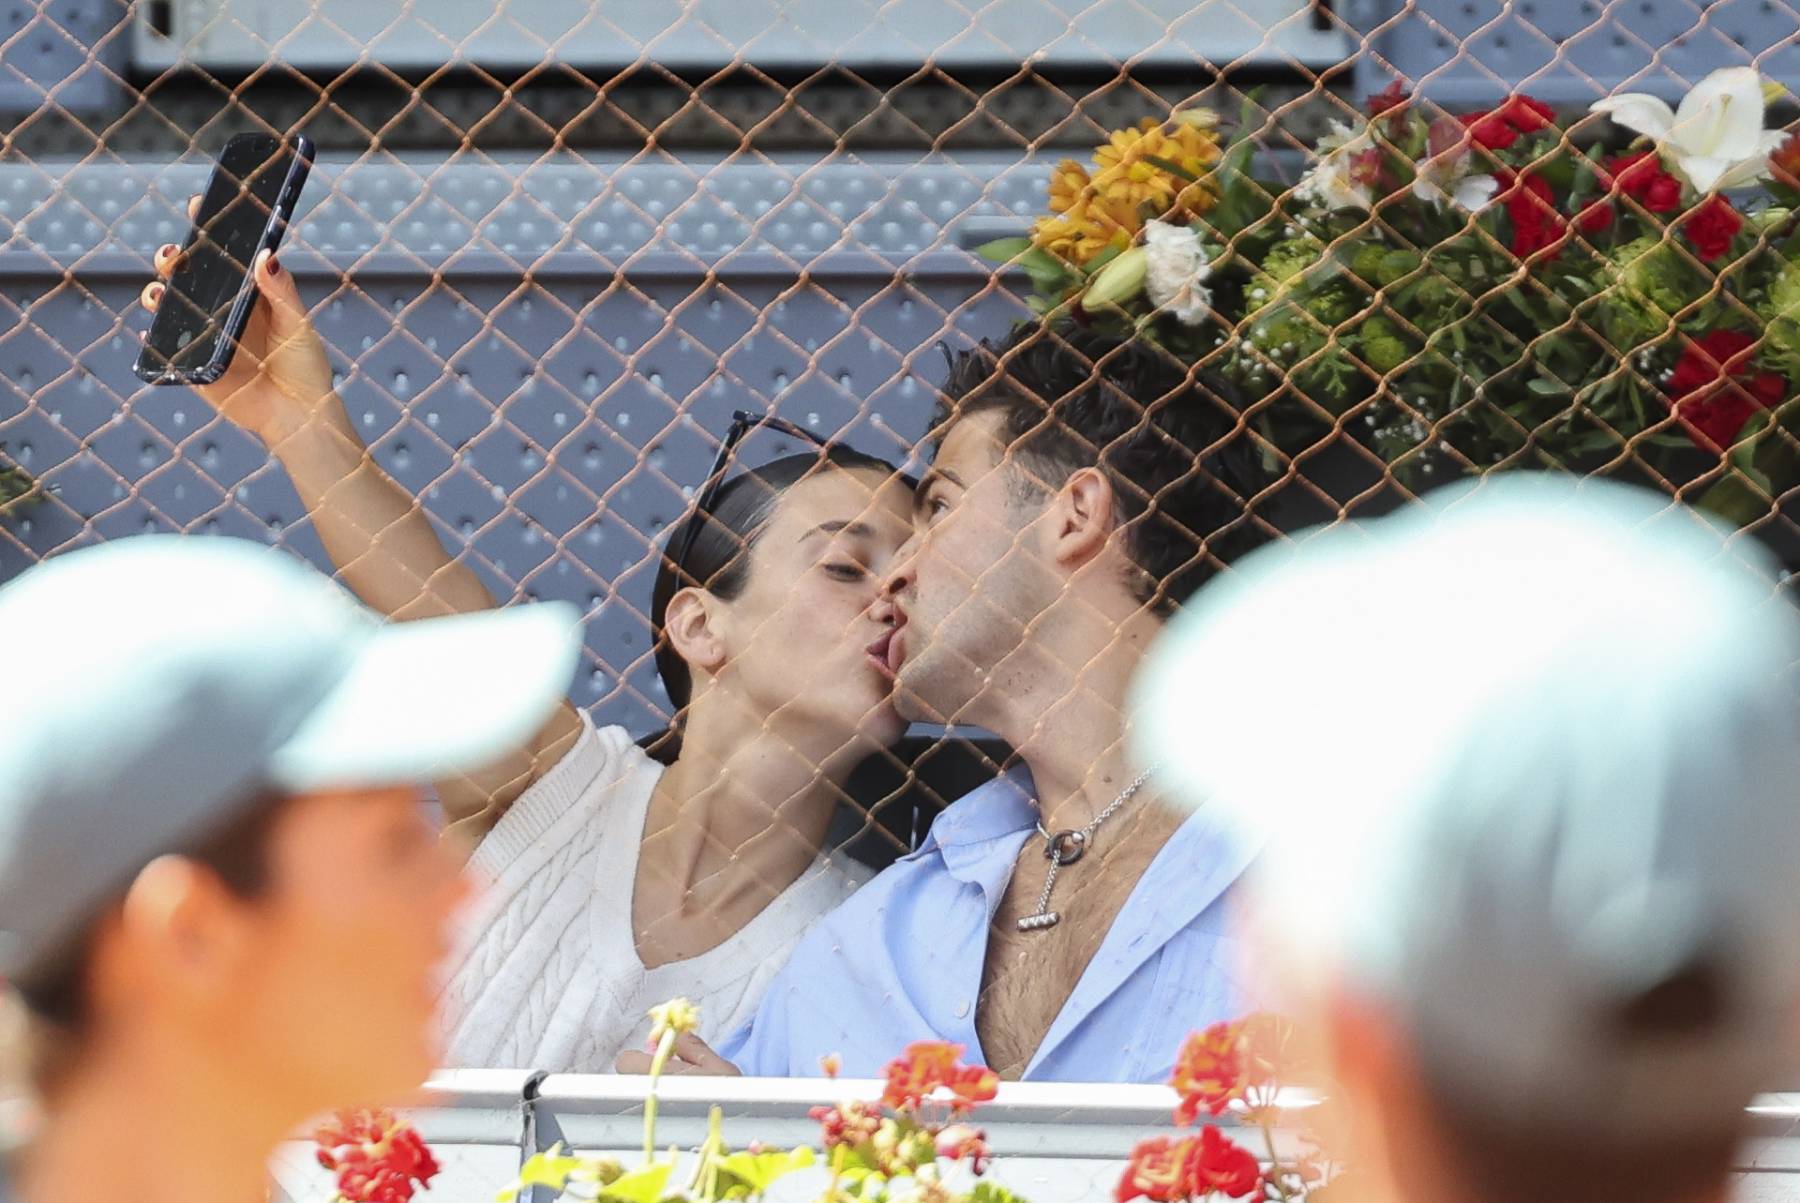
{"x":1177,"y":270}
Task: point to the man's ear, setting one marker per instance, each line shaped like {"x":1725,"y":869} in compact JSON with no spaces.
{"x":1082,"y":518}
{"x":178,"y":923}
{"x":693,"y":629}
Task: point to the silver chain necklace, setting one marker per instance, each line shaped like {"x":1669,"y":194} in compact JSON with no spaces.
{"x":1065,"y":848}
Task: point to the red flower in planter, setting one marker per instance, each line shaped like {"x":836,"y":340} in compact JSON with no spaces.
{"x":1171,"y":1168}
{"x":931,"y":1064}
{"x":1711,"y":225}
{"x":1223,"y":1167}
{"x":1157,"y":1170}
{"x":1714,"y":392}
{"x":1209,"y":1072}
{"x":1499,"y":128}
{"x":377,"y":1158}
{"x":960,"y":1142}
{"x":1536,"y":224}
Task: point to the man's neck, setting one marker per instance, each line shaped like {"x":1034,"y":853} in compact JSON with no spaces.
{"x":149,"y":1130}
{"x":1066,"y":712}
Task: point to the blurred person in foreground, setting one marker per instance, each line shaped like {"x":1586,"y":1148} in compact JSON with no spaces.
{"x":621,"y":875}
{"x":1527,"y":763}
{"x":222,"y":906}
{"x":1081,"y":488}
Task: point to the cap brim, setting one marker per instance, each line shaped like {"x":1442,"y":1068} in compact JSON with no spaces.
{"x":436,"y":697}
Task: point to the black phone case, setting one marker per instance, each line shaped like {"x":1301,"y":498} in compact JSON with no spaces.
{"x":279,"y":215}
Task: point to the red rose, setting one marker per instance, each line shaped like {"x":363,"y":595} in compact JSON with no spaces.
{"x":1711,"y":225}
{"x":1714,"y":392}
{"x":1221,"y":1166}
{"x":1641,"y":177}
{"x":1595,"y":218}
{"x":1536,"y":224}
{"x":1393,"y":96}
{"x":1499,"y":128}
{"x":1209,"y":1072}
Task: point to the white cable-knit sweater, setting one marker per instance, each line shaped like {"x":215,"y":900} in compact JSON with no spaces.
{"x":547,"y":975}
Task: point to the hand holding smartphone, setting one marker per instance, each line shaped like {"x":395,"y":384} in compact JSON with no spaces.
{"x":207,"y":303}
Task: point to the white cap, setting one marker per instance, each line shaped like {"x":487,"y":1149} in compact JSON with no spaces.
{"x":1528,"y":761}
{"x":163,"y":683}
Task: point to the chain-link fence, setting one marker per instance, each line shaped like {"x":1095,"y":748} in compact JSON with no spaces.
{"x":554,"y":247}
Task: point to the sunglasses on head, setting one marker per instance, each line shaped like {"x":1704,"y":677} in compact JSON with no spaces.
{"x":742,"y":423}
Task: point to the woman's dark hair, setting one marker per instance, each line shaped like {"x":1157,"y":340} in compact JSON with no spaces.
{"x":718,"y":559}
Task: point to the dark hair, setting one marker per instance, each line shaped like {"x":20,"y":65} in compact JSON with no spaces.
{"x":1519,"y":1158}
{"x":718,"y":559}
{"x":1169,"y":439}
{"x":1511,"y":1159}
{"x":55,"y":992}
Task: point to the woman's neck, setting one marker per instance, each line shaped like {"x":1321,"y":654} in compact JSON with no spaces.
{"x":742,"y":813}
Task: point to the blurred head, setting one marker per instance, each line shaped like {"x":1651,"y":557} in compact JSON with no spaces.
{"x":1071,"y":470}
{"x":215,"y":864}
{"x":773,"y":609}
{"x":294,"y":951}
{"x":1535,"y":906}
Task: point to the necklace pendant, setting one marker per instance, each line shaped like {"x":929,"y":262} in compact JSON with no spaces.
{"x":1065,"y":847}
{"x":1040,"y":921}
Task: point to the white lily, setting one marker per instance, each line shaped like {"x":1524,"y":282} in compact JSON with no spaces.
{"x":1715,"y":139}
{"x":1332,"y":182}
{"x":1446,"y":176}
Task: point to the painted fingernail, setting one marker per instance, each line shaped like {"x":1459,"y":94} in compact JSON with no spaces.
{"x":165,"y":250}
{"x":274,"y":266}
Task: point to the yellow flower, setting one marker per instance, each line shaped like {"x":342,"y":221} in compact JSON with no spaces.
{"x":1081,"y":224}
{"x":678,"y":1015}
{"x":1127,"y":172}
{"x":1069,"y":185}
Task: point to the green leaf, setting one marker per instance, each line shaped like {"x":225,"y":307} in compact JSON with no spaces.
{"x":987,"y":1192}
{"x":1547,"y":388}
{"x":754,"y":1173}
{"x":1048,"y":273}
{"x":1173,"y":168}
{"x":552,"y":1169}
{"x":1003,"y":250}
{"x":639,"y":1186}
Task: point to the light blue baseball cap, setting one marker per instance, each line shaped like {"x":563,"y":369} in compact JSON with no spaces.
{"x":1526,"y":764}
{"x":164,"y":683}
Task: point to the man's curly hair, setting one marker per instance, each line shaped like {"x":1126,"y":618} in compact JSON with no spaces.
{"x":1168,"y":438}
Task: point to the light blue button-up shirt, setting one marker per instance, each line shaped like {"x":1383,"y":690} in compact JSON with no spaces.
{"x":902,"y":959}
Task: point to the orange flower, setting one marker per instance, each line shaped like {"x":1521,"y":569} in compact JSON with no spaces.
{"x":931,"y":1065}
{"x":1210,"y":1071}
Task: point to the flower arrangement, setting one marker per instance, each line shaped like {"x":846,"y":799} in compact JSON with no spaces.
{"x":916,"y":1144}
{"x":377,"y":1158}
{"x":1467,"y":292}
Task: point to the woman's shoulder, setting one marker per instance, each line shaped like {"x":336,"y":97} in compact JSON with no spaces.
{"x":603,"y":764}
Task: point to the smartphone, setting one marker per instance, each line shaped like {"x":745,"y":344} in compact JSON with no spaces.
{"x":207,"y":302}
